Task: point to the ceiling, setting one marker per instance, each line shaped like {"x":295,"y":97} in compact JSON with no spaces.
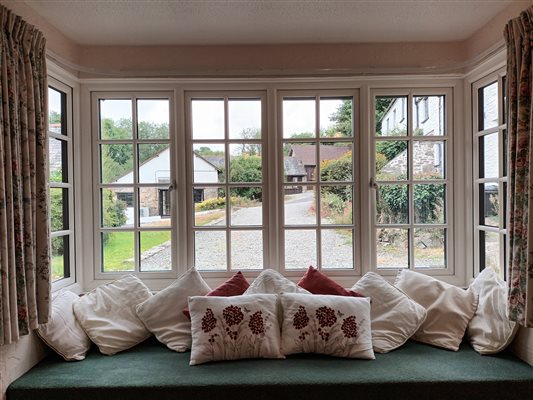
{"x":203,"y":22}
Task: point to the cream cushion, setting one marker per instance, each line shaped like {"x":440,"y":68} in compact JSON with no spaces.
{"x":490,"y":331}
{"x":395,"y":316}
{"x":62,"y":333}
{"x":162,"y":313}
{"x":107,"y":314}
{"x":449,"y":308}
{"x":230,"y":328}
{"x":270,"y":281}
{"x":326,"y":324}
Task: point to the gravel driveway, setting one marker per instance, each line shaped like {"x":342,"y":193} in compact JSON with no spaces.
{"x":246,"y":246}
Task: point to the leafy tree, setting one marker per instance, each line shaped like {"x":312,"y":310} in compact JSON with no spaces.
{"x":390,"y":149}
{"x":340,"y":170}
{"x":250,"y":148}
{"x":54,"y":117}
{"x":207,"y":151}
{"x":382,"y":104}
{"x":343,"y":121}
{"x":246,"y":168}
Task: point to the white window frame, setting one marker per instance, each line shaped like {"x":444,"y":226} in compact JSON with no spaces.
{"x":68,"y":137}
{"x":228,"y":95}
{"x":502,"y":179}
{"x":96,"y":96}
{"x":449,"y":181}
{"x":357,"y":162}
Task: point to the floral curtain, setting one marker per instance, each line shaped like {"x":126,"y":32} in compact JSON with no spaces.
{"x":518,"y":35}
{"x":24,"y":231}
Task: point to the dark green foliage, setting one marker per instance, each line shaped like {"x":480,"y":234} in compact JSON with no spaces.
{"x":382,"y":104}
{"x":339,"y":170}
{"x":246,"y":168}
{"x":343,"y":121}
{"x":391,"y":149}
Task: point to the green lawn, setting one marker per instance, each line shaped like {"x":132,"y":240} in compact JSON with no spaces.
{"x":119,"y":249}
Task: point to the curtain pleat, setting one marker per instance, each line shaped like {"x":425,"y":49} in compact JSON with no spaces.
{"x":24,"y":210}
{"x":518,"y":35}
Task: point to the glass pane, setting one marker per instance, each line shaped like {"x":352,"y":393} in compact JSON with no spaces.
{"x":60,"y":257}
{"x":117,"y":207}
{"x":156,"y":251}
{"x":504,"y":99}
{"x":210,"y":250}
{"x":392,"y":204}
{"x":246,"y":206}
{"x":505,"y":150}
{"x":56,"y":101}
{"x":57,"y":150}
{"x":488,"y":156}
{"x":490,"y":251}
{"x":154,"y":207}
{"x":118,"y":252}
{"x":244,"y":118}
{"x":299,"y":118}
{"x":391,"y":160}
{"x":336,"y":117}
{"x":154,"y":163}
{"x":300,"y":205}
{"x":209,"y":163}
{"x":337,"y":248}
{"x":391,"y":116}
{"x":246,"y":250}
{"x":336,"y":205}
{"x":116,"y":163}
{"x":336,"y":162}
{"x":392,"y":249}
{"x":428,"y":160}
{"x":300,"y":162}
{"x":428,"y":116}
{"x":245,"y":163}
{"x":504,"y":205}
{"x":300,"y":249}
{"x":489,"y":204}
{"x":153,"y":119}
{"x":115,"y":119}
{"x":430,"y":204}
{"x":208,"y":119}
{"x":430,"y":248}
{"x":59,"y":217}
{"x":488,"y":103}
{"x":209,"y":206}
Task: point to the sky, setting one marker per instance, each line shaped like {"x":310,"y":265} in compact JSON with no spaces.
{"x":208,"y":115}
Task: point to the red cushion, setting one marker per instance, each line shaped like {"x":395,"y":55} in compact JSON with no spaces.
{"x":234,"y":286}
{"x":318,"y":283}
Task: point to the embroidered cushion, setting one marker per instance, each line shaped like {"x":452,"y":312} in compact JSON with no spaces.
{"x":325,"y":324}
{"x":63,"y":333}
{"x":449,"y":308}
{"x":317,"y":283}
{"x":107,"y":314}
{"x":395,"y":316}
{"x":159,"y":313}
{"x":230,"y":328}
{"x":490,"y":331}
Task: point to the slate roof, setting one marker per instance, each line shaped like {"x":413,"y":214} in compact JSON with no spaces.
{"x":293,"y":167}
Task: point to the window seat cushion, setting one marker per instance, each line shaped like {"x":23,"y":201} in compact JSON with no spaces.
{"x":151,"y":371}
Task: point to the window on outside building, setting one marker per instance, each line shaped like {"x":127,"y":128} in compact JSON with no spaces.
{"x":413,"y":183}
{"x":319,"y":149}
{"x":490,"y":174}
{"x":133,"y":161}
{"x":61,"y":180}
{"x":227,"y":180}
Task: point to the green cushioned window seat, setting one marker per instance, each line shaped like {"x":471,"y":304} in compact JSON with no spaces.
{"x":151,"y":371}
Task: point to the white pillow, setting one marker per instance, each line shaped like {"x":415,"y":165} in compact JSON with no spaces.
{"x":449,"y":308}
{"x":395,"y":316}
{"x":326,"y":324}
{"x":107,"y":314}
{"x":490,"y":331}
{"x":270,"y":281}
{"x":63,"y":333}
{"x":230,"y":328}
{"x":162,"y":314}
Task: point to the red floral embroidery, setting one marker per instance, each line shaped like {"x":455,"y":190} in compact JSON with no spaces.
{"x":231,"y":334}
{"x":326,"y":317}
{"x":300,"y":319}
{"x":349,"y":327}
{"x":323,"y":334}
{"x":256,"y":323}
{"x":232,"y":315}
{"x":208,"y":321}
